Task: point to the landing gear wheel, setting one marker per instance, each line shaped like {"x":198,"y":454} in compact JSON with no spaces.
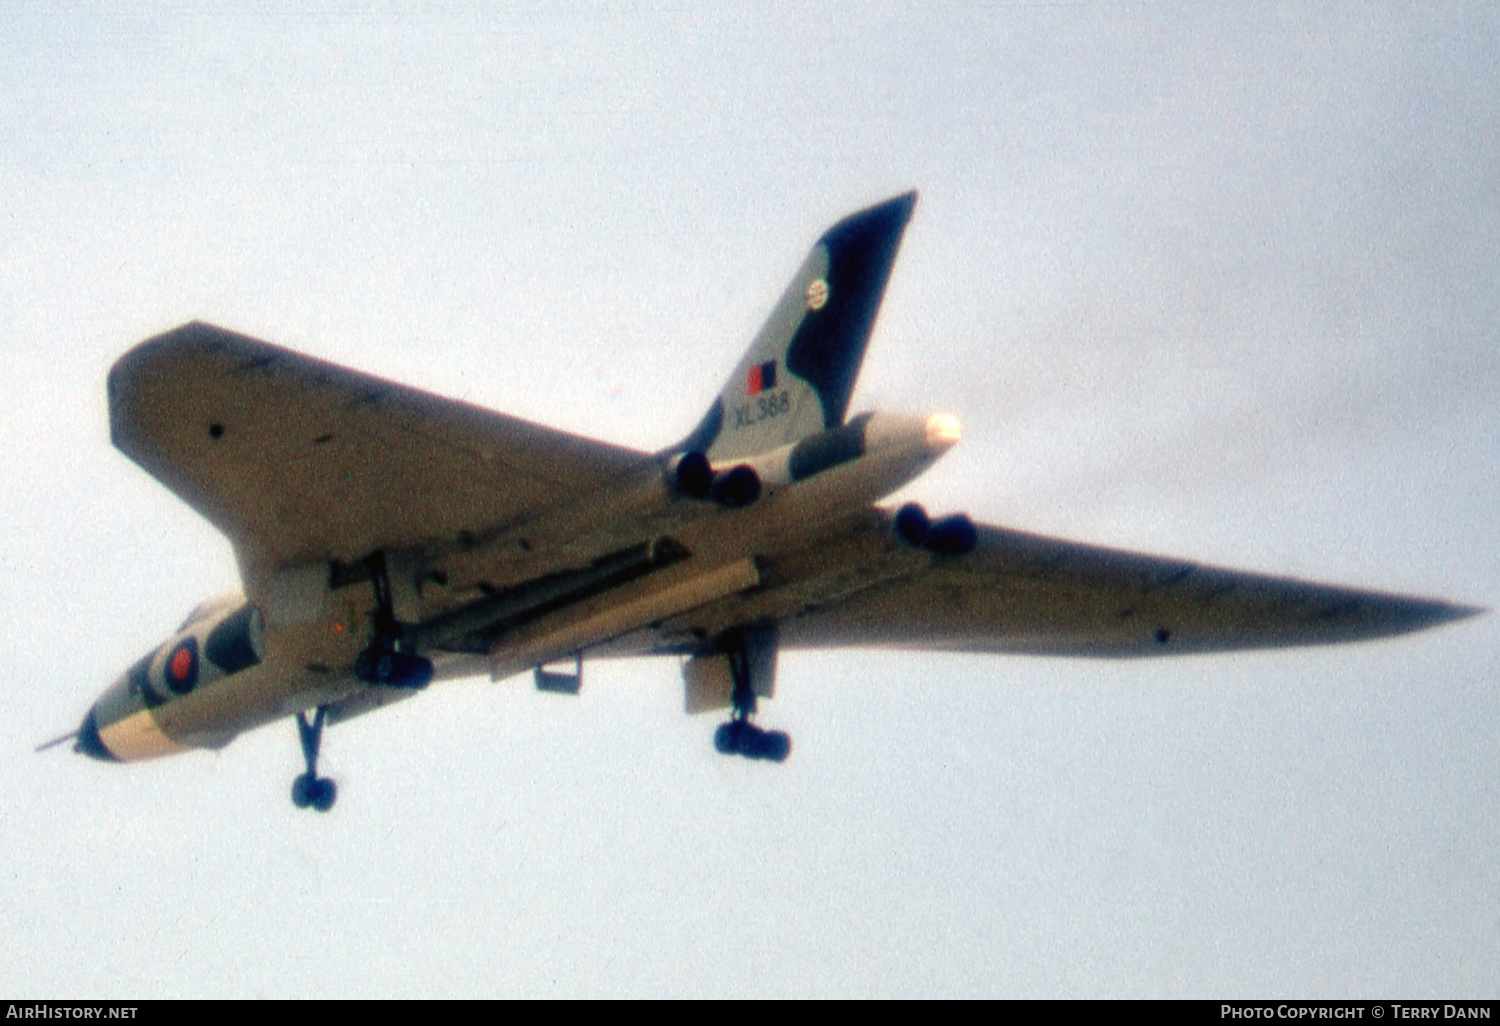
{"x":314,"y":792}
{"x":764,"y":744}
{"x":952,"y":536}
{"x":775,"y":745}
{"x":327,"y":794}
{"x":392,"y":669}
{"x":727,"y":737}
{"x":740,"y":737}
{"x":912,"y":525}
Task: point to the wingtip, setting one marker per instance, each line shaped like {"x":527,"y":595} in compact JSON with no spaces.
{"x":1422,"y":614}
{"x":1456,"y":612}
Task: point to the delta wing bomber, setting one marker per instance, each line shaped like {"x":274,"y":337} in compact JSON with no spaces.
{"x":388,"y":538}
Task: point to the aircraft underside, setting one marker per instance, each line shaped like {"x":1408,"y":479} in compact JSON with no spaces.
{"x":388,"y":538}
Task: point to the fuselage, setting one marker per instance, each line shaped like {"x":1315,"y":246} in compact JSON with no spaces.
{"x":578,"y":577}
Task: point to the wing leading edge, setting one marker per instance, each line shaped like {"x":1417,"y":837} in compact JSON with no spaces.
{"x":1023,"y":593}
{"x":297,"y":460}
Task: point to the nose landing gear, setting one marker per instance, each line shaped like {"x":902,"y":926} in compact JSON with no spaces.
{"x":309,"y":789}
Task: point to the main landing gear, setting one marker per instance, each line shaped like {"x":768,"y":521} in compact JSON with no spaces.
{"x":739,"y":736}
{"x":310,"y":789}
{"x":383,"y":662}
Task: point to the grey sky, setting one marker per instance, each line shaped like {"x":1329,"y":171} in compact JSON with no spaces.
{"x":1210,"y":280}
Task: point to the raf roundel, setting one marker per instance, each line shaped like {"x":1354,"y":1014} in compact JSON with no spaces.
{"x":817,"y":294}
{"x":182,"y":667}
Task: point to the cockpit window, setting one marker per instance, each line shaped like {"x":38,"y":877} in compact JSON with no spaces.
{"x":203,"y":610}
{"x":140,"y":681}
{"x":199,"y":611}
{"x":232,"y":645}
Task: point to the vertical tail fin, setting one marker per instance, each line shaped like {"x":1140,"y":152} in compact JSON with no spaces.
{"x":797,"y":375}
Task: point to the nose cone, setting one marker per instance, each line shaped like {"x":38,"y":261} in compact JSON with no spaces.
{"x":942,"y":432}
{"x":88,"y":740}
